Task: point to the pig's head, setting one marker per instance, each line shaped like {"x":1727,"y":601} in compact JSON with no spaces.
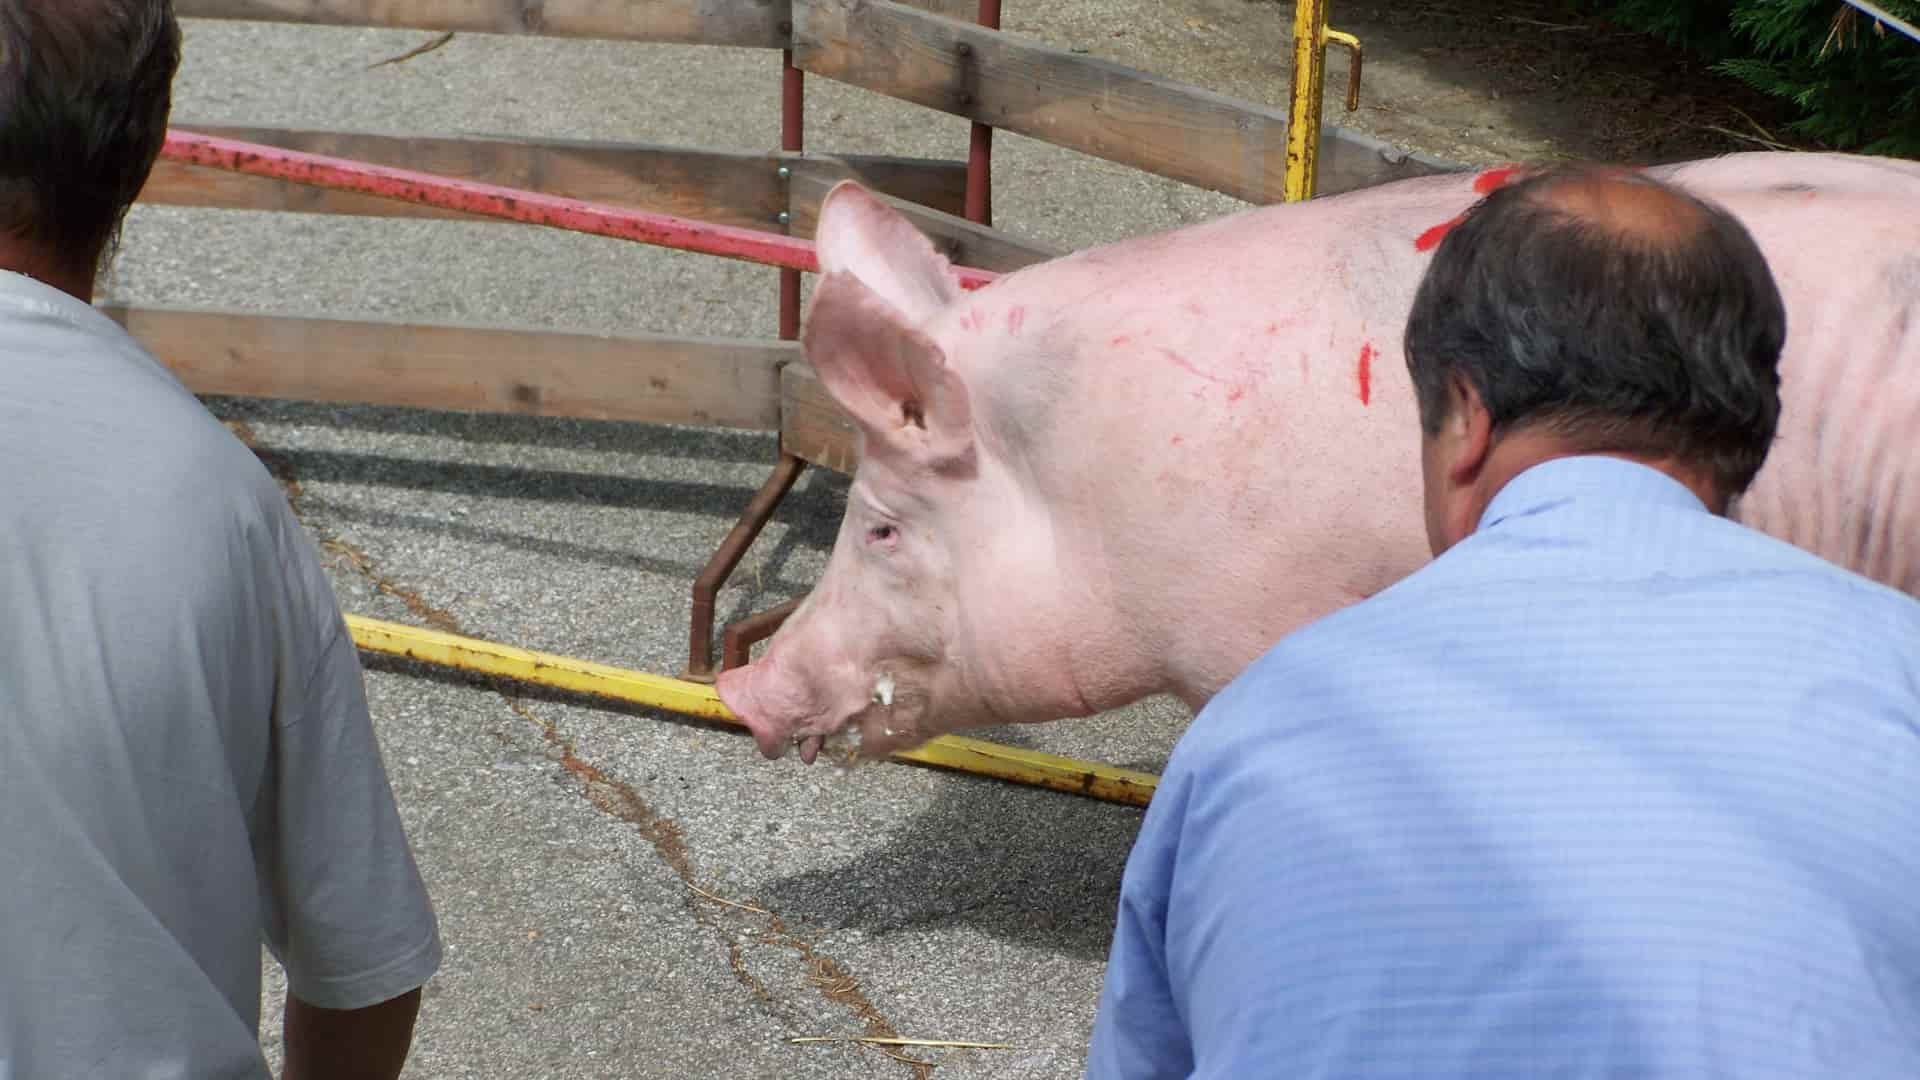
{"x":937,"y":578}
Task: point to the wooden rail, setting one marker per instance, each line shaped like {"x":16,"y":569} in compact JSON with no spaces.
{"x":813,"y":427}
{"x":716,"y":382}
{"x":741,"y":23}
{"x":964,"y":242}
{"x":1079,"y":102}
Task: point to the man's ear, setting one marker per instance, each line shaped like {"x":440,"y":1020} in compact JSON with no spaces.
{"x":890,"y":378}
{"x":1469,"y":428}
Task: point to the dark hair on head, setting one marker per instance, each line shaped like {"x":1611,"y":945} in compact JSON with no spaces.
{"x":86,"y":87}
{"x":1655,"y":332}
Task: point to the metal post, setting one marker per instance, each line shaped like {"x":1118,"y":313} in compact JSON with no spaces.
{"x":1311,"y":36}
{"x":1305,"y":97}
{"x":979,"y":198}
{"x":792,"y":123}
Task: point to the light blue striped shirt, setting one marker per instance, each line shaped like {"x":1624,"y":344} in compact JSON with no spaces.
{"x":1615,"y":787}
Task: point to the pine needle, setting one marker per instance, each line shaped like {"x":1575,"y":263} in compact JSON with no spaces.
{"x":724,"y":900}
{"x":879,"y":1040}
{"x":418,"y":50}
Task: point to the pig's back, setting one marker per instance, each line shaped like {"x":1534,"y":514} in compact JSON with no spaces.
{"x":1842,"y":235}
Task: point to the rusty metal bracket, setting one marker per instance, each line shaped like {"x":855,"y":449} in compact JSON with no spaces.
{"x":738,"y":639}
{"x":706,"y":587}
{"x":1352,"y":45}
{"x":1308,"y":91}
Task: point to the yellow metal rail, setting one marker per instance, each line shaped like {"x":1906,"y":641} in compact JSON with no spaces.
{"x":1310,"y":39}
{"x":975,"y":756}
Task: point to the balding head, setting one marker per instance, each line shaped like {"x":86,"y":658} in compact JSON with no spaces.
{"x":1627,"y":203}
{"x":1611,"y":312}
{"x":85,"y":91}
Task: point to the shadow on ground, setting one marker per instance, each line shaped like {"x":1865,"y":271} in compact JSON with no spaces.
{"x":971,"y":860}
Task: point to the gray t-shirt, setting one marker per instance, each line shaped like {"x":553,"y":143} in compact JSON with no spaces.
{"x":187,"y":767}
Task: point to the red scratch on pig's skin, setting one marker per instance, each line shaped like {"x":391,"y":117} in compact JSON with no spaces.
{"x":1176,"y":440}
{"x":1365,"y":372}
{"x":1121,"y":339}
{"x":1195,"y":308}
{"x":1184,"y":364}
{"x":1015,"y":316}
{"x":1273,"y":328}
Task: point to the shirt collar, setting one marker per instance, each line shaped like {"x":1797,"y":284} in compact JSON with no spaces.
{"x":24,"y":293}
{"x":1553,"y":483}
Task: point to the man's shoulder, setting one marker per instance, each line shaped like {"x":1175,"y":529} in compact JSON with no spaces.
{"x":1483,"y":595}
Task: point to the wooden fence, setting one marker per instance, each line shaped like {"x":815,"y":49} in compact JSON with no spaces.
{"x":921,"y":52}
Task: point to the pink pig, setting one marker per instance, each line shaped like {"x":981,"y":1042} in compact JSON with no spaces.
{"x":1131,"y":470}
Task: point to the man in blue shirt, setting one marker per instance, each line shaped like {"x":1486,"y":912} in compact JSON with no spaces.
{"x":1613,"y":787}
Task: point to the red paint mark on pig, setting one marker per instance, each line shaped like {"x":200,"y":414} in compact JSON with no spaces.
{"x":1494,"y":179}
{"x":1430,"y":239}
{"x":1015,"y":317}
{"x":1485,"y":184}
{"x":1365,"y":373}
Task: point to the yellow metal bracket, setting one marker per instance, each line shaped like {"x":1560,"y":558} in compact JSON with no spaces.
{"x":977,"y":756}
{"x":1310,"y":40}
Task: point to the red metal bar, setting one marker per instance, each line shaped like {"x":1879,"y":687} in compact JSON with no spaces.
{"x":792,"y":122}
{"x":979,"y":199}
{"x":511,"y":204}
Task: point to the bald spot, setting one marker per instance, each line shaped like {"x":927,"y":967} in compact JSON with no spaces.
{"x":1627,"y":206}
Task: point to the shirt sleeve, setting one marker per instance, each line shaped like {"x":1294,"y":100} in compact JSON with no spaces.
{"x":1138,"y":1030}
{"x":1193,"y":983}
{"x":346,"y":912}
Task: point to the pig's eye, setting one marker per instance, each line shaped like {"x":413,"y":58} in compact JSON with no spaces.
{"x":881,"y":534}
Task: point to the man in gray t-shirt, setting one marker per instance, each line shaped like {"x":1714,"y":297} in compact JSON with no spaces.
{"x":187,"y":767}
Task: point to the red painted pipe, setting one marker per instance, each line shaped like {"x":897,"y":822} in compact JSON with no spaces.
{"x":979,"y":197}
{"x":510,"y":204}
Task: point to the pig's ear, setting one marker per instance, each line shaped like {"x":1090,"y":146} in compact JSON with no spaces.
{"x":860,"y":234}
{"x":891,"y":378}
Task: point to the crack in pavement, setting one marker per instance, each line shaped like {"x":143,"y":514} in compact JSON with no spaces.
{"x":615,"y":798}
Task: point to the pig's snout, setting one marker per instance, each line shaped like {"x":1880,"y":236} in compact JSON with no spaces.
{"x":742,"y":690}
{"x":782,"y":709}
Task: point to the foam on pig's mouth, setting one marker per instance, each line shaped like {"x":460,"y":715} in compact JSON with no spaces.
{"x":888,"y":722}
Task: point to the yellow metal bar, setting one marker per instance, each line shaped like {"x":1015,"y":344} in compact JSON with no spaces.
{"x":1304,"y":98}
{"x":1308,"y":92}
{"x":976,"y":756}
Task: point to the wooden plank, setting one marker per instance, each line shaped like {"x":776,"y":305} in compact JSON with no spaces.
{"x":728,"y":188}
{"x":718,"y":382}
{"x":812,"y":427}
{"x":744,"y":23}
{"x":965,"y":10}
{"x":1079,"y":102}
{"x":963,"y":241}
